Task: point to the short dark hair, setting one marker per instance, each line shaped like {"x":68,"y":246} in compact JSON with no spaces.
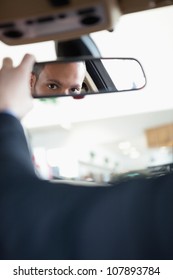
{"x":38,"y":67}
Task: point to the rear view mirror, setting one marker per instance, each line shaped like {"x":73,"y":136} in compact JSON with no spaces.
{"x":80,"y":77}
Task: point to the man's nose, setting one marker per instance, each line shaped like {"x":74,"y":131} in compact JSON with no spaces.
{"x":66,"y":91}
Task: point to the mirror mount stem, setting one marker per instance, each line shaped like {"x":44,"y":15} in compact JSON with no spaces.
{"x":83,"y":46}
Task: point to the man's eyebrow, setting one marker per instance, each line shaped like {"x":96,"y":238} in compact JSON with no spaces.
{"x":61,"y":85}
{"x":76,"y":86}
{"x":55,"y":81}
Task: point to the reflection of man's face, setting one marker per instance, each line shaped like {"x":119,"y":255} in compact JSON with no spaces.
{"x":59,"y":78}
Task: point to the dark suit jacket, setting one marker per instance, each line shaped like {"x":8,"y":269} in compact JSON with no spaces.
{"x":42,"y":220}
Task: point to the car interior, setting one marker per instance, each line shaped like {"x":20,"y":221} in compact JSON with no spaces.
{"x":118,"y":124}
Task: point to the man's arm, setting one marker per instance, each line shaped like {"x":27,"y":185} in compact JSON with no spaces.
{"x":15,"y":157}
{"x":15,"y":102}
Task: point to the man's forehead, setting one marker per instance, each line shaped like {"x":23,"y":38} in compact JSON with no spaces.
{"x":53,"y":70}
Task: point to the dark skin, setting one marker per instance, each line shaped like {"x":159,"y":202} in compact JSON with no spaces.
{"x":59,"y":78}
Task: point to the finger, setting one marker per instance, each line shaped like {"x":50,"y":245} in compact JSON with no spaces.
{"x":7,"y":63}
{"x":27,"y":63}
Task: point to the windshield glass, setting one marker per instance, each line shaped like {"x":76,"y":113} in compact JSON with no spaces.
{"x":108,"y":137}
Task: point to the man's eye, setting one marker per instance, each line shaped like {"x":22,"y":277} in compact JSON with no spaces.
{"x":75,"y":90}
{"x":52,"y":86}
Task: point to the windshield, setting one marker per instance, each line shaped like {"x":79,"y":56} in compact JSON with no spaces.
{"x":100,"y":138}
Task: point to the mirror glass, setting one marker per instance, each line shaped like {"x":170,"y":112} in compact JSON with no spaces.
{"x":78,"y":78}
